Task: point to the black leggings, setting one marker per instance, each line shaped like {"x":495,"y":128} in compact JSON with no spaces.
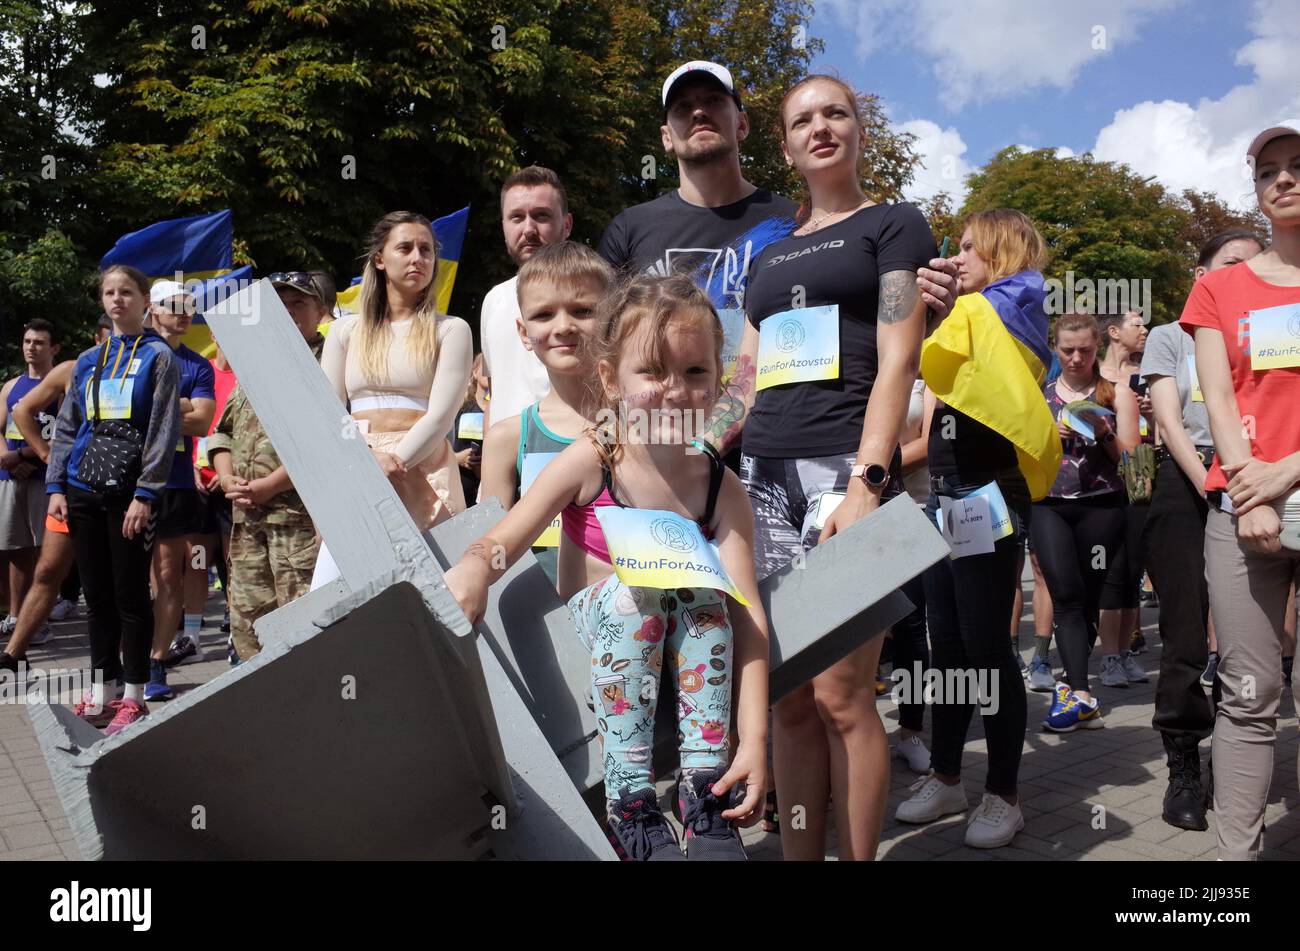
{"x":115,"y":577}
{"x":1076,"y":541}
{"x":910,"y":649}
{"x":967,"y":603}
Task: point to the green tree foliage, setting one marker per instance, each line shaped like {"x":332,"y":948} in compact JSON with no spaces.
{"x":1099,"y":219}
{"x":46,"y":98}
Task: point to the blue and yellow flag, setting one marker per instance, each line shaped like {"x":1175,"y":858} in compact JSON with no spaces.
{"x":450,"y":234}
{"x":988,"y":360}
{"x":199,"y":250}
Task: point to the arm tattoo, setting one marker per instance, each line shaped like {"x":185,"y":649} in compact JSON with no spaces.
{"x":898,"y":297}
{"x":728,"y":416}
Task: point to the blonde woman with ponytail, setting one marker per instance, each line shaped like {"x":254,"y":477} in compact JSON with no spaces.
{"x":401,"y":368}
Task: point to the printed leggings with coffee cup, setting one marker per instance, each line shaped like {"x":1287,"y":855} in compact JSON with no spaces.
{"x":630,"y":632}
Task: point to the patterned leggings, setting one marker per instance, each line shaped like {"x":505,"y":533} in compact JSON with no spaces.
{"x":629,"y":631}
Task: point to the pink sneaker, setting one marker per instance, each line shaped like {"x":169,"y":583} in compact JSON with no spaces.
{"x":128,"y":711}
{"x":100,"y":718}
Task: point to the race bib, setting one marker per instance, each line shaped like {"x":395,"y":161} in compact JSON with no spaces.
{"x":1275,"y":337}
{"x":471,"y":427}
{"x":966,"y":525}
{"x":795,"y":346}
{"x":534,"y":463}
{"x":1074,"y":415}
{"x":114,"y":398}
{"x":656,"y":549}
{"x":12,"y":431}
{"x":1001,"y":518}
{"x":1193,"y":381}
{"x":733,"y":329}
{"x":827,"y":503}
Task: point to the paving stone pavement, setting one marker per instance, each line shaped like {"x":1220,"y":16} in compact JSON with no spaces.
{"x":1092,"y":794}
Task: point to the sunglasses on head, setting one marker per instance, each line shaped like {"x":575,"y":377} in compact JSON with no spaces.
{"x":299,"y":279}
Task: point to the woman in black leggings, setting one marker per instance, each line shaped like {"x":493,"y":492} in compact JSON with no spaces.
{"x":1079,"y":527}
{"x":110,"y":457}
{"x":968,"y":597}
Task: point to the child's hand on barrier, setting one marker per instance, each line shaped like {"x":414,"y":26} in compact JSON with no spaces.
{"x":468,"y":589}
{"x":748,"y":767}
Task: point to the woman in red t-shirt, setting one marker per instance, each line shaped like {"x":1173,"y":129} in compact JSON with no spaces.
{"x":1246,"y":323}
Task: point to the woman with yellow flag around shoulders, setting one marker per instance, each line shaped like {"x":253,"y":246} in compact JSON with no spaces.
{"x":993,"y":448}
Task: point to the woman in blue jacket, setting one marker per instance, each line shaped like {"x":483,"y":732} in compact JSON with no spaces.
{"x":109,"y":460}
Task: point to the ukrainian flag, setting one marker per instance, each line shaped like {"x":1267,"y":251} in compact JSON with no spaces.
{"x":199,"y":249}
{"x":988,"y":359}
{"x":450,"y":234}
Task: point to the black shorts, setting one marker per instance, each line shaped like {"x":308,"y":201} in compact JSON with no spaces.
{"x":216,"y":513}
{"x":180,"y":512}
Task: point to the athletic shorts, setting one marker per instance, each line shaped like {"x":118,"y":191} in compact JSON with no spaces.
{"x":216,"y":513}
{"x":23,"y":504}
{"x":180,"y":512}
{"x":785,"y":495}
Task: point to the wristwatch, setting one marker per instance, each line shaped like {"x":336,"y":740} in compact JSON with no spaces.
{"x":1107,"y":438}
{"x":874,"y":475}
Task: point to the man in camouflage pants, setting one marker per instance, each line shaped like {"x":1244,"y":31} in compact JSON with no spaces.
{"x":273,"y":545}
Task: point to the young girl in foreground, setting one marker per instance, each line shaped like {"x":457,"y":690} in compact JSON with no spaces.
{"x":658,"y":349}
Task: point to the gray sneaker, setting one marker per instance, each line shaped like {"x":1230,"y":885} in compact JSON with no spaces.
{"x":1133,"y":669}
{"x":1040,"y":676}
{"x":1112,"y":672}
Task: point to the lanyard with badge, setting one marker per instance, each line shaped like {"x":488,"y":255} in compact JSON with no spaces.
{"x":112,"y":459}
{"x":797,"y":346}
{"x":112,"y":397}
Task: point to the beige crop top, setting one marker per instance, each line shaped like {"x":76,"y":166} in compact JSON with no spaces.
{"x":436,"y":390}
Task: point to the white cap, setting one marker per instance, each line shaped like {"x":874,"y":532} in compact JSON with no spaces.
{"x":1288,"y":127}
{"x":163,"y":290}
{"x":720,"y":73}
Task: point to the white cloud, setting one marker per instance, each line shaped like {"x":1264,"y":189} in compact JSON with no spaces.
{"x":986,"y":49}
{"x":943,"y":167}
{"x":1204,"y":146}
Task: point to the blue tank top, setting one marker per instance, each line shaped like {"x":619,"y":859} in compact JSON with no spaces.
{"x":45,"y":416}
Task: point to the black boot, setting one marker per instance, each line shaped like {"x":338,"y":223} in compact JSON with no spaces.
{"x":1185,"y":797}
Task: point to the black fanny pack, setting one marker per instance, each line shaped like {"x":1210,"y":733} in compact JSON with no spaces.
{"x":114,"y":457}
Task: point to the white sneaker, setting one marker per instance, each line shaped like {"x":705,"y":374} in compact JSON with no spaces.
{"x":932,"y":800}
{"x":994,"y":823}
{"x":1133,"y":668}
{"x":62,"y":610}
{"x":7,"y":626}
{"x":913,"y":752}
{"x":43,"y":634}
{"x":1112,"y":672}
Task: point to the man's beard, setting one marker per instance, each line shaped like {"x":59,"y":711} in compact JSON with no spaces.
{"x":707,"y":154}
{"x":518,"y":253}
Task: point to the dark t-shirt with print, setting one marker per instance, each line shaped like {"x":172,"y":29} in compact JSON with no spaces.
{"x":1086,"y":468}
{"x":713,"y":246}
{"x":840,"y":264}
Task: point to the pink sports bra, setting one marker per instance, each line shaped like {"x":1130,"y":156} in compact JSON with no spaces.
{"x":580,"y":524}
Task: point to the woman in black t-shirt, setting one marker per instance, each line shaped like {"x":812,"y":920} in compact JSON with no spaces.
{"x":832,"y":342}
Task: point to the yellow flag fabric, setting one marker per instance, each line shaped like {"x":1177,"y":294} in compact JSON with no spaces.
{"x":974,"y":364}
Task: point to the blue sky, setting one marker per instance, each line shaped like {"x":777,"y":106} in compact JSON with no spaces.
{"x":1175,"y":88}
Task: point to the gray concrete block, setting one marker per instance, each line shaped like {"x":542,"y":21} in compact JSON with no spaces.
{"x":319,"y":750}
{"x":376,"y":723}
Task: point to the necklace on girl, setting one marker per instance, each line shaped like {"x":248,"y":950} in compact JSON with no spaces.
{"x":812,"y":226}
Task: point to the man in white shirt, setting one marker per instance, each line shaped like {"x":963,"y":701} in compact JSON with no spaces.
{"x":534,"y":212}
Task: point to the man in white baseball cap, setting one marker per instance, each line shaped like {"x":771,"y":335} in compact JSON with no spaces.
{"x":699,"y":68}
